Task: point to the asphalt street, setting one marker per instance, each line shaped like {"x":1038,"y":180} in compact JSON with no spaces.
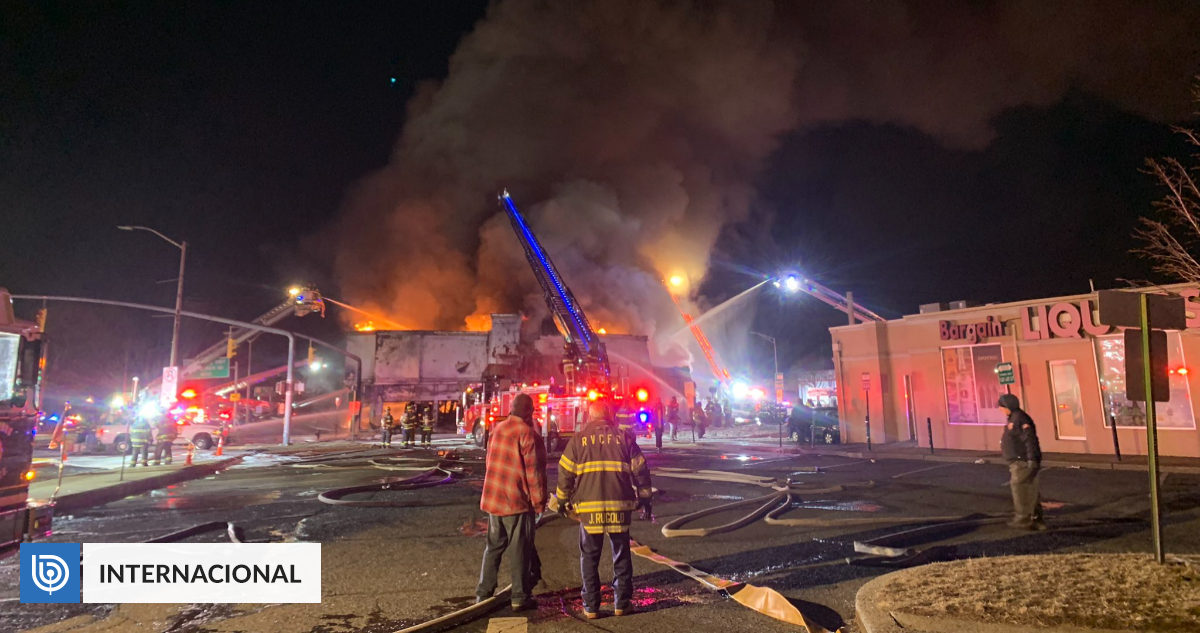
{"x":385,"y":568}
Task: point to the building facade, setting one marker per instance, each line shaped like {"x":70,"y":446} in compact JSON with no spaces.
{"x":937,"y":370}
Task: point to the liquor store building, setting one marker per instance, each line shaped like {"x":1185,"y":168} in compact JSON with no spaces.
{"x":939,"y":369}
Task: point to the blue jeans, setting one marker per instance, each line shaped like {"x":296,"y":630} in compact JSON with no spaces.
{"x":590,"y":547}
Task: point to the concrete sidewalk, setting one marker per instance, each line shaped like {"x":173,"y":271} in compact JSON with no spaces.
{"x":100,"y":485}
{"x":910,"y":451}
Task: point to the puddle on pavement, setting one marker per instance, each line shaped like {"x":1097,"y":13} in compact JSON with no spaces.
{"x":567,"y":603}
{"x":746,"y":576}
{"x":172,"y":498}
{"x":842,"y":506}
{"x":722,"y":497}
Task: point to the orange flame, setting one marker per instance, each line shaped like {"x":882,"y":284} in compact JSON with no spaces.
{"x":479,"y":323}
{"x":365,"y":326}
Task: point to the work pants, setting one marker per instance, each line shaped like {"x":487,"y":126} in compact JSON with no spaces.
{"x":427,"y":436}
{"x":513,"y":532}
{"x":144,"y":451}
{"x":674,"y":428}
{"x":162,"y":449}
{"x":409,"y":434}
{"x":590,"y":547}
{"x":1027,"y":500}
{"x":658,"y":431}
{"x":386,"y":438}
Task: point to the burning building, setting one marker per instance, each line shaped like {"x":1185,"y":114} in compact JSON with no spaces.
{"x":440,"y":366}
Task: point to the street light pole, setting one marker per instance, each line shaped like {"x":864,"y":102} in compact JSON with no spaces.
{"x":182,"y":246}
{"x":178,"y":304}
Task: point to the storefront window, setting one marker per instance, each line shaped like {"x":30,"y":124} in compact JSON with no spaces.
{"x":972,"y":386}
{"x":1175,"y":414}
{"x":1068,"y":405}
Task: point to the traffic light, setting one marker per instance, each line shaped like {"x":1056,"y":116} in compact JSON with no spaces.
{"x":230,"y":348}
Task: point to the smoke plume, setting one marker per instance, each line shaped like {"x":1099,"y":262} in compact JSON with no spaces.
{"x":631,"y":131}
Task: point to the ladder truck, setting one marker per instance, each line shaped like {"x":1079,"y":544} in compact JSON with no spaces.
{"x":585,"y":364}
{"x":20,"y":365}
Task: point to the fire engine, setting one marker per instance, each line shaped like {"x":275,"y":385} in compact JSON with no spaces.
{"x":559,"y":409}
{"x":20,"y":364}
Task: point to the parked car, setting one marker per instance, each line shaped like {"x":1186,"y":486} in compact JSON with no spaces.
{"x":815,"y":424}
{"x":202,"y":434}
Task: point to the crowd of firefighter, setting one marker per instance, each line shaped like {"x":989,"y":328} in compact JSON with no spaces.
{"x":415,"y":416}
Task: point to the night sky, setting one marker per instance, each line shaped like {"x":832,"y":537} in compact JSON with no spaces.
{"x":901,"y":171}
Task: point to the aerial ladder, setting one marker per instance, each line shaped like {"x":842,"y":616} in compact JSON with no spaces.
{"x":842,"y":303}
{"x":585,"y":359}
{"x":718,"y":370}
{"x":300,"y":301}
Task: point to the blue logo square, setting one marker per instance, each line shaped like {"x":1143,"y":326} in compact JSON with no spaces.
{"x":50,"y":572}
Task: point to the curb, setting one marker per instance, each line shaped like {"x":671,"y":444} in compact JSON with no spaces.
{"x":966,"y":459}
{"x":100,"y":496}
{"x":873,"y":619}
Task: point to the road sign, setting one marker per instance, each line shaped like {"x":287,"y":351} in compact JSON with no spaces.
{"x":235,"y":396}
{"x":866,"y":380}
{"x":1004,"y":371}
{"x":1135,"y":375}
{"x":1123,"y":309}
{"x":216,"y":368}
{"x":170,"y":385}
{"x":778,"y":387}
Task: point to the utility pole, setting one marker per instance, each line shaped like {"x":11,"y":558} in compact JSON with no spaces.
{"x":182,"y":246}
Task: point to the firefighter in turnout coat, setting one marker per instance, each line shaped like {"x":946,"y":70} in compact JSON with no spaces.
{"x":139,"y":439}
{"x":408,"y":422}
{"x":603,"y":478}
{"x":385,"y":427}
{"x":427,"y":417}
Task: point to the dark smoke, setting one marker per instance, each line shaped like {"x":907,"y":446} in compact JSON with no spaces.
{"x":630,"y":132}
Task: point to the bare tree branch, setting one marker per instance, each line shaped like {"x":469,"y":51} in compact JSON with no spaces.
{"x":1171,"y":241}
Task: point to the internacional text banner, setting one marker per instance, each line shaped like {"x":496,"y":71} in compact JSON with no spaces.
{"x":201,"y":572}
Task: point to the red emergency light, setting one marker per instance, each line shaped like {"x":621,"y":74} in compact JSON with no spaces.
{"x":187,"y":394}
{"x":642,"y":395}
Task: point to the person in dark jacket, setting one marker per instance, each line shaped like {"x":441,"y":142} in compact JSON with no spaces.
{"x":603,"y":478}
{"x":1021,"y":449}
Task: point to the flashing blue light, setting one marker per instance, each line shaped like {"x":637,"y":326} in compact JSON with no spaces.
{"x":299,"y":297}
{"x":644,"y":417}
{"x":393,"y":81}
{"x":54,"y":418}
{"x":536,"y":248}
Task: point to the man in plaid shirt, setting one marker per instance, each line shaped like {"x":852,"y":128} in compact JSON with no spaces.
{"x":514,"y":493}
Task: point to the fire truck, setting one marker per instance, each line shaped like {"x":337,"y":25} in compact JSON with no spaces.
{"x":20,"y":361}
{"x":559,"y":409}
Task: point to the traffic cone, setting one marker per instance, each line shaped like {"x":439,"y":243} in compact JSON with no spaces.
{"x":220,"y":446}
{"x":191,"y":449}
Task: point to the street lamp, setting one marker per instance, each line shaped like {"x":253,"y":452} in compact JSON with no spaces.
{"x":182,"y":246}
{"x":774,"y":376}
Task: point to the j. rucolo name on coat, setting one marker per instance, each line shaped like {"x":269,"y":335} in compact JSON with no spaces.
{"x":189,"y":574}
{"x":970,"y":332}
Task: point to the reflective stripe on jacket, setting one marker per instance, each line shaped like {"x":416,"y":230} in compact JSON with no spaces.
{"x":139,"y":435}
{"x":603,"y":474}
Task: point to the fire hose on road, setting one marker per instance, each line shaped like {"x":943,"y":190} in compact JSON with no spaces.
{"x":769,"y":507}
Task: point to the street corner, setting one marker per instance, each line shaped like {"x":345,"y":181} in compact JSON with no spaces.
{"x":1017,"y":594}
